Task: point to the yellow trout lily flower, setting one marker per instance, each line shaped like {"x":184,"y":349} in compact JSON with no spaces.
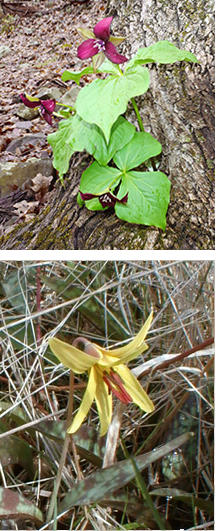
{"x":107,"y":372}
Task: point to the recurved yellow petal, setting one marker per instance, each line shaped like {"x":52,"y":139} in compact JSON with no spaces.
{"x":86,"y":403}
{"x":135,"y":346}
{"x":104,"y":403}
{"x":134,"y":389}
{"x":132,"y":355}
{"x":72,"y":357}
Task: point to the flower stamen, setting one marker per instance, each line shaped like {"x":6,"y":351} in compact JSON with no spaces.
{"x":118,"y":388}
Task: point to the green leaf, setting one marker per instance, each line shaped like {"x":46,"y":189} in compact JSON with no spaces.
{"x":110,"y":68}
{"x":13,"y":505}
{"x":75,"y":134}
{"x":94,"y":204}
{"x":99,"y":179}
{"x":121,"y":133}
{"x":102,"y":483}
{"x":79,"y":200}
{"x":62,"y":151}
{"x":142,"y":147}
{"x":148,"y":198}
{"x":104,"y":100}
{"x":75,"y":76}
{"x":161,"y":52}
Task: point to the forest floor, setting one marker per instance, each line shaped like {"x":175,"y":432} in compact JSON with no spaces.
{"x":42,"y":44}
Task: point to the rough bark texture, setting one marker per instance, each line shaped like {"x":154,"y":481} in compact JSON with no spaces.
{"x":178,"y":111}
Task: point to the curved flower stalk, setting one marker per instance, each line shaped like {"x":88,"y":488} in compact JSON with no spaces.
{"x":100,"y":44}
{"x":46,"y":106}
{"x":107,"y":375}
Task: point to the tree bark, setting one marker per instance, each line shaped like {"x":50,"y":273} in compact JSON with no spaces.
{"x":178,"y":111}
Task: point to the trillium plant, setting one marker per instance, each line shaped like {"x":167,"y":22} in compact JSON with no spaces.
{"x":107,"y":375}
{"x":96,"y":124}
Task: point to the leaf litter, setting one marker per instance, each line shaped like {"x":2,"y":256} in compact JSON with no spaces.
{"x":43,"y":41}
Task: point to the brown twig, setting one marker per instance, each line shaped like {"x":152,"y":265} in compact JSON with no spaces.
{"x":179,"y":357}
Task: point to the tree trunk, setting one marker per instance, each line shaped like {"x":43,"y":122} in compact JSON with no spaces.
{"x":178,"y":111}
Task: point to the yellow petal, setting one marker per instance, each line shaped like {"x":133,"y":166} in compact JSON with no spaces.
{"x":104,"y":403}
{"x":72,"y":357}
{"x":128,"y":357}
{"x":86,"y":403}
{"x":134,"y":348}
{"x":134,"y":389}
{"x":107,"y":360}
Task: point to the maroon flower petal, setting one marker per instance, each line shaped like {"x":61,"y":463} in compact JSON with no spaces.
{"x":102,"y":29}
{"x":46,"y":115}
{"x":112,"y":54}
{"x":107,"y":200}
{"x":123,"y":200}
{"x":86,"y":197}
{"x":28,"y":103}
{"x":48,"y":105}
{"x":87,"y":49}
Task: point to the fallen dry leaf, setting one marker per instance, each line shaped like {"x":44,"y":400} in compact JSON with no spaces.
{"x":26,"y":210}
{"x":41,"y":187}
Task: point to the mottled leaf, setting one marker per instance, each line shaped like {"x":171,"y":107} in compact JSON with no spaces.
{"x":126,"y":502}
{"x":13,"y":505}
{"x":16,"y":451}
{"x":89,"y":445}
{"x":186,"y":497}
{"x":104,"y":482}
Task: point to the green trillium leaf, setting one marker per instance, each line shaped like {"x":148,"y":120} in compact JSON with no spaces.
{"x":148,"y":192}
{"x":148,"y":198}
{"x":75,"y":76}
{"x":99,"y":179}
{"x":121,"y":133}
{"x":61,"y":150}
{"x":94,"y":204}
{"x":110,"y":68}
{"x":142,"y":147}
{"x":104,"y":100}
{"x":161,"y":52}
{"x":74,"y":134}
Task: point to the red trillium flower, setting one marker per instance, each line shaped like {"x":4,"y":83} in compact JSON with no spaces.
{"x":46,"y":106}
{"x":100,"y":43}
{"x":106,"y":200}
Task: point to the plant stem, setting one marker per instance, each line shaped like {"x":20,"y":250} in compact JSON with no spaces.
{"x":138,"y":114}
{"x":64,"y":449}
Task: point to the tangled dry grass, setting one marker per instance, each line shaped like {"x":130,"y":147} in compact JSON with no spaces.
{"x":107,"y":301}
